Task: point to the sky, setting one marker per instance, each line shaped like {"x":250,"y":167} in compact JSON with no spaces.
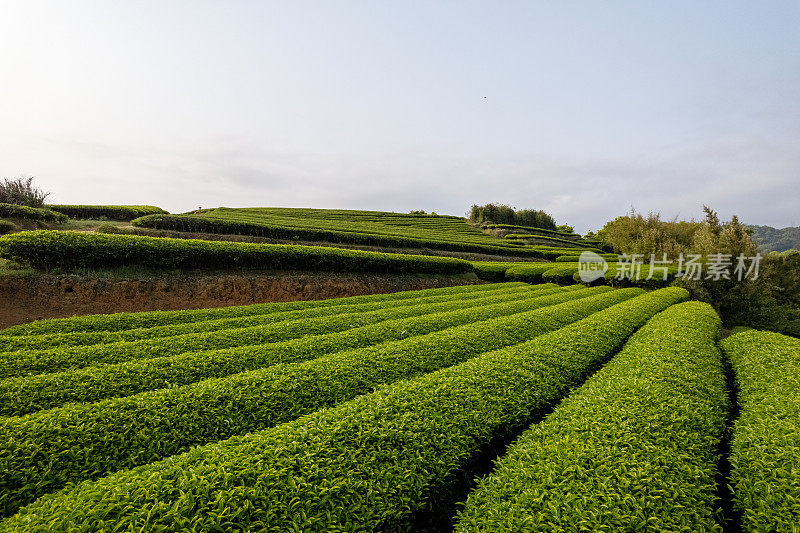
{"x":583,"y":109}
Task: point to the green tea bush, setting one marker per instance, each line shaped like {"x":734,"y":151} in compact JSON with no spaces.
{"x":146,"y":368}
{"x":31,"y":213}
{"x":257,"y":315}
{"x":6,"y":226}
{"x":635,"y":448}
{"x":125,"y":432}
{"x":392,"y":230}
{"x":119,"y":322}
{"x":529,"y":272}
{"x":275,"y":327}
{"x":51,"y":249}
{"x":765,"y":452}
{"x":368,"y":464}
{"x":110,"y":212}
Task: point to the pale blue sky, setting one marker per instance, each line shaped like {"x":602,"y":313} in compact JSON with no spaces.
{"x":583,"y":109}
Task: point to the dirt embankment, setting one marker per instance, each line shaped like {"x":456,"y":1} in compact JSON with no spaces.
{"x":28,"y":298}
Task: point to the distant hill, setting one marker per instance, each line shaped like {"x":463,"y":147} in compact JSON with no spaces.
{"x":778,"y":240}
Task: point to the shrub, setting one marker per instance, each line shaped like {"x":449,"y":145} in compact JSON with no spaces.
{"x":147,"y":366}
{"x":245,"y":331}
{"x":6,"y":226}
{"x":125,"y":432}
{"x":765,"y":452}
{"x":110,"y":212}
{"x":503,"y":214}
{"x":450,"y":234}
{"x":50,"y":249}
{"x":367,"y":464}
{"x":31,"y":213}
{"x":118,"y":322}
{"x":647,"y":425}
{"x":21,"y":191}
{"x":170,"y":323}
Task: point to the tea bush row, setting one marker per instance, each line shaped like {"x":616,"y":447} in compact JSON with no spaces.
{"x":765,"y":452}
{"x":368,"y":464}
{"x":635,"y":448}
{"x":21,"y":395}
{"x":83,"y":441}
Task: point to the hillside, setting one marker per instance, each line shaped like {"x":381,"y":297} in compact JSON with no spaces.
{"x":374,"y":228}
{"x":776,"y":240}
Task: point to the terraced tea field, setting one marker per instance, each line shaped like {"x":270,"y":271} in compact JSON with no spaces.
{"x":374,"y":413}
{"x":374,"y":228}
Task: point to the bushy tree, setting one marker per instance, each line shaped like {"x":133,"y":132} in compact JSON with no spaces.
{"x":21,"y":191}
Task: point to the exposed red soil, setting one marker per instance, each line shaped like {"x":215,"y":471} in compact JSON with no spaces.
{"x":28,"y":298}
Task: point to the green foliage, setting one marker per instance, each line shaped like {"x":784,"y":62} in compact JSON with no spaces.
{"x":31,"y":213}
{"x":635,"y":448}
{"x":21,"y":191}
{"x":159,"y":324}
{"x":170,"y":361}
{"x":125,"y":432}
{"x":536,"y":231}
{"x":124,"y":322}
{"x":6,"y":226}
{"x":772,"y":239}
{"x":637,"y":234}
{"x":765,"y":452}
{"x":367,"y":464}
{"x":565,"y":228}
{"x":546,"y":239}
{"x":503,"y":214}
{"x":372,"y":228}
{"x":50,"y":249}
{"x":110,"y":212}
{"x":573,"y":258}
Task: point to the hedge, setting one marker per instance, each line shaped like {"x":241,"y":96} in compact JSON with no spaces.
{"x":51,"y":249}
{"x":368,"y":464}
{"x":111,"y":212}
{"x":268,"y":315}
{"x":152,"y":369}
{"x":118,"y":322}
{"x":635,"y":448}
{"x":491,"y":270}
{"x":317,"y":232}
{"x":529,"y":273}
{"x":765,"y":452}
{"x":611,"y":258}
{"x":275,"y":327}
{"x":534,"y":231}
{"x":83,"y":441}
{"x":6,"y":226}
{"x":31,"y":213}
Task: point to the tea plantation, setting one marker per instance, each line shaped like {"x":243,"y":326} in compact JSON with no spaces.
{"x":604,"y":409}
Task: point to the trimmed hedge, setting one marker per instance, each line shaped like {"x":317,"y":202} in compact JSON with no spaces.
{"x":275,"y":327}
{"x":51,"y":249}
{"x":119,"y":322}
{"x":294,"y":229}
{"x":31,"y":213}
{"x":611,"y":258}
{"x":765,"y":452}
{"x":535,"y":231}
{"x":111,"y":212}
{"x":268,"y":315}
{"x":368,"y":464}
{"x":126,"y":432}
{"x":151,"y":370}
{"x":635,"y":448}
{"x":6,"y":226}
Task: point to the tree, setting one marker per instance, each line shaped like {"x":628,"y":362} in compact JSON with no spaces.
{"x":21,"y":191}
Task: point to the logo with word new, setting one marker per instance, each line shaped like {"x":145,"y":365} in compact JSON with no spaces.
{"x":591,"y":267}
